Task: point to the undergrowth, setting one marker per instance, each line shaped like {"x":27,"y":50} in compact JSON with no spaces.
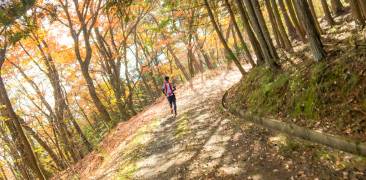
{"x":328,"y":95}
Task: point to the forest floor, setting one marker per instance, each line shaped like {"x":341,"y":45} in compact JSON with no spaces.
{"x":204,"y":143}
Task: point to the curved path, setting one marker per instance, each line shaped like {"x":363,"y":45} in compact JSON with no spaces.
{"x":201,"y":143}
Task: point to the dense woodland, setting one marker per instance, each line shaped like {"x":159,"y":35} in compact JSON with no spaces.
{"x":72,"y":69}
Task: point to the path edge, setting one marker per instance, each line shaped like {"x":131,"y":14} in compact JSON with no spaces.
{"x":333,"y":141}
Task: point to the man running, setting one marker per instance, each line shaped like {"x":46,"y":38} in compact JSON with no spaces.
{"x":168,"y":89}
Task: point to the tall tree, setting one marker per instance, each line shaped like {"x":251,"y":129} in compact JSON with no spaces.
{"x":290,"y":27}
{"x":12,"y":120}
{"x":327,"y":14}
{"x":253,"y":40}
{"x":87,"y":17}
{"x":299,"y":28}
{"x":222,"y":39}
{"x":357,"y":11}
{"x":312,"y":9}
{"x":281,"y":26}
{"x":337,"y":7}
{"x":315,"y":43}
{"x":237,"y":29}
{"x":279,"y":40}
{"x":257,"y":22}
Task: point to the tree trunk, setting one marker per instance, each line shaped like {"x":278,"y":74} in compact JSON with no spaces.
{"x":112,"y":68}
{"x":93,"y":94}
{"x":362,"y":4}
{"x":237,"y":29}
{"x":274,"y":25}
{"x":253,"y":40}
{"x":281,"y":27}
{"x":262,"y":34}
{"x":290,"y":27}
{"x":178,"y":63}
{"x":316,"y":22}
{"x":58,"y":161}
{"x":357,"y":12}
{"x":327,"y":14}
{"x":316,"y":45}
{"x":262,"y":24}
{"x":17,"y":133}
{"x":222,"y":39}
{"x":206,"y":57}
{"x":3,"y":174}
{"x":299,"y":28}
{"x":85,"y":140}
{"x":337,"y":7}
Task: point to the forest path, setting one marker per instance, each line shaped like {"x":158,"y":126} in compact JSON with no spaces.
{"x":199,"y":143}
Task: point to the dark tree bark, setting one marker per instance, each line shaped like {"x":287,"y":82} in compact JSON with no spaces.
{"x":222,"y":39}
{"x":312,"y":10}
{"x":337,"y":7}
{"x":112,"y":67}
{"x":299,"y":28}
{"x":327,"y":14}
{"x":281,"y":27}
{"x":290,"y":27}
{"x":15,"y":127}
{"x":362,"y":8}
{"x":84,"y":61}
{"x":253,"y":40}
{"x":264,"y":29}
{"x":316,"y":45}
{"x":58,"y":161}
{"x":205,"y":55}
{"x":237,"y":29}
{"x":274,"y":25}
{"x":255,"y":16}
{"x":357,"y":12}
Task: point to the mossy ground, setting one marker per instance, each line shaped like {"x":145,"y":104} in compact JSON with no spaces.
{"x":328,"y":95}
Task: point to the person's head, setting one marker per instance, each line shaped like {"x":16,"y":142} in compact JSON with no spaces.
{"x":166,"y":78}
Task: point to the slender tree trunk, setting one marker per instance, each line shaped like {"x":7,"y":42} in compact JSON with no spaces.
{"x":281,"y":27}
{"x":178,"y":63}
{"x":237,"y":29}
{"x":357,"y":12}
{"x":19,"y":165}
{"x":58,"y":161}
{"x":112,"y":68}
{"x":205,"y":55}
{"x":299,"y":28}
{"x":362,"y":4}
{"x":59,"y":104}
{"x":290,"y":27}
{"x":222,"y":39}
{"x":327,"y":14}
{"x":265,"y":42}
{"x":17,"y":133}
{"x":316,"y":22}
{"x":130,"y":103}
{"x":274,"y":25}
{"x":253,"y":40}
{"x":264,"y":29}
{"x":83,"y":113}
{"x":3,"y":174}
{"x":85,"y":140}
{"x":316,"y":45}
{"x":93,"y":94}
{"x":337,"y":7}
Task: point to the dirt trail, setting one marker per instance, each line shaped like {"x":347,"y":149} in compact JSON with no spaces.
{"x":200,"y":143}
